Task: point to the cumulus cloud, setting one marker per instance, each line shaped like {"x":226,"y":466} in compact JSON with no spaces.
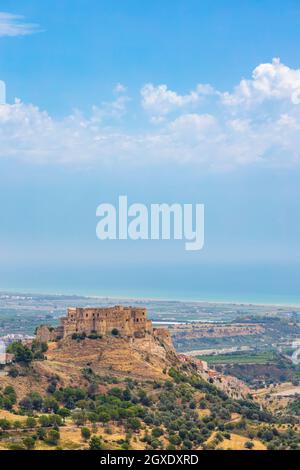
{"x":30,"y":134}
{"x":15,"y":25}
{"x":160,"y":100}
{"x":257,"y":123}
{"x":269,"y":81}
{"x":193,"y":127}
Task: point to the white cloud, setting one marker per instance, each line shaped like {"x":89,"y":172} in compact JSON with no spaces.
{"x":159,"y":100}
{"x":30,"y":134}
{"x":120,"y":88}
{"x":15,"y":25}
{"x":225,"y":137}
{"x":269,"y":81}
{"x":193,"y":126}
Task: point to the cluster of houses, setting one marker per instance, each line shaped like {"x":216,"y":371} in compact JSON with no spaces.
{"x":234,"y":387}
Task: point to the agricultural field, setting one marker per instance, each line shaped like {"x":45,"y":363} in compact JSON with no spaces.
{"x":239,"y":358}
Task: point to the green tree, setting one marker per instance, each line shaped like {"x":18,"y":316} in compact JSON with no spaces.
{"x":4,"y":424}
{"x":155,"y":443}
{"x":30,"y":422}
{"x":248,"y":445}
{"x":29,"y":443}
{"x":41,"y":434}
{"x":13,"y":372}
{"x":157,"y":432}
{"x":44,"y":421}
{"x":79,"y":417}
{"x":32,"y":401}
{"x":63,"y":412}
{"x":187,"y":444}
{"x":96,"y":443}
{"x":9,"y":392}
{"x":50,"y":404}
{"x":85,"y":433}
{"x":53,"y":437}
{"x":17,"y":424}
{"x":134,"y":424}
{"x":21,"y":353}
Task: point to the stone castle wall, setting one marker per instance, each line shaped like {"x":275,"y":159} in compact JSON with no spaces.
{"x":129,"y":321}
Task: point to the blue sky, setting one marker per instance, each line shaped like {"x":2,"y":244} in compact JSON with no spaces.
{"x":166,"y":102}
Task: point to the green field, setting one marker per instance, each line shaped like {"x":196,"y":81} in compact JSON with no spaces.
{"x":239,"y":358}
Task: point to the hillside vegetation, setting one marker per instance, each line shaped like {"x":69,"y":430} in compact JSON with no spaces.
{"x":72,"y":397}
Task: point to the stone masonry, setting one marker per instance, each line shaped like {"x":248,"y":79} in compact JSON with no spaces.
{"x":129,"y":321}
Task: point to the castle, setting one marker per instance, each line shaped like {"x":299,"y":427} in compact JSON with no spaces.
{"x":130,"y":322}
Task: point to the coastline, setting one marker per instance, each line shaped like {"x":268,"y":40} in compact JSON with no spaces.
{"x":205,"y":301}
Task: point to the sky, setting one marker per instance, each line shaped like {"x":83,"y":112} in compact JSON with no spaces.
{"x":187,"y":102}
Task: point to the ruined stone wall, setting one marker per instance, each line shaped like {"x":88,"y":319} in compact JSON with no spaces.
{"x":164,"y":336}
{"x":129,"y":321}
{"x":45,"y":333}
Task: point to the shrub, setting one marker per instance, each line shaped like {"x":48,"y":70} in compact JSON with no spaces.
{"x":134,"y":424}
{"x":157,"y":432}
{"x":4,"y":424}
{"x":78,"y":336}
{"x":53,"y":437}
{"x":155,"y":443}
{"x":85,"y":433}
{"x":248,"y":445}
{"x":50,"y":404}
{"x":13,"y":372}
{"x":41,"y":434}
{"x":94,"y":335}
{"x":30,"y":422}
{"x":79,"y":417}
{"x":21,"y":353}
{"x":96,"y":443}
{"x":9,"y":392}
{"x":32,"y":401}
{"x":16,"y":446}
{"x":63,"y":412}
{"x":17,"y":424}
{"x":187,"y":444}
{"x":29,"y":443}
{"x":51,"y":388}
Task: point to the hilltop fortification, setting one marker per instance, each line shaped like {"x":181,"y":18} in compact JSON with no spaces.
{"x":130,"y":322}
{"x":115,"y":339}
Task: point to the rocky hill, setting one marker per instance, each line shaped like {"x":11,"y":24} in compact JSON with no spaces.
{"x":126,"y":388}
{"x":143,"y":358}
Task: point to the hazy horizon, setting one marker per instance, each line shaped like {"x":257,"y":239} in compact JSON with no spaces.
{"x":202,"y":109}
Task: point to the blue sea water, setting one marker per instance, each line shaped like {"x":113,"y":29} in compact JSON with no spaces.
{"x":245,"y":284}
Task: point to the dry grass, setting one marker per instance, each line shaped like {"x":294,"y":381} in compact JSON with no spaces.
{"x":203,"y":413}
{"x":237,"y":442}
{"x":11,"y":417}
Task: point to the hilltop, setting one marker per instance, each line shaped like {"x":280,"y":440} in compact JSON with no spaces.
{"x":123,"y":344}
{"x":107,"y":379}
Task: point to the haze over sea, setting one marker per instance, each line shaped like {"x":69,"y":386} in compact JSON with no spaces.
{"x":251,"y":284}
{"x":198,"y":109}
